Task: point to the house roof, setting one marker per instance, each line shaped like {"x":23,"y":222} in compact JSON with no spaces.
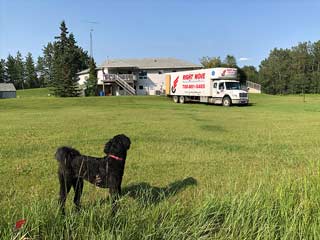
{"x":7,"y":87}
{"x":87,"y":71}
{"x":83,"y":71}
{"x":149,"y":63}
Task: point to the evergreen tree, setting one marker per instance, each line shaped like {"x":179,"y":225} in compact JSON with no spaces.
{"x":11,"y":69}
{"x":19,"y":80}
{"x":41,"y":72}
{"x":60,"y":64}
{"x":31,"y":79}
{"x":91,"y":83}
{"x":3,"y":71}
{"x":66,"y":62}
{"x":47,"y":62}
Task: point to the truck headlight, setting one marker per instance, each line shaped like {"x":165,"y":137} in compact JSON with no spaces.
{"x":234,"y":95}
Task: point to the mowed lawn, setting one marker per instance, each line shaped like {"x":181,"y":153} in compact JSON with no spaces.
{"x":193,"y":170}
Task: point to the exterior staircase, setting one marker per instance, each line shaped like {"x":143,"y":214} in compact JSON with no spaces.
{"x":126,"y":87}
{"x":122,"y":81}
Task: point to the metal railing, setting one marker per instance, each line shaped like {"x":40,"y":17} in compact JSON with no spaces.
{"x":125,"y":77}
{"x":254,"y":85}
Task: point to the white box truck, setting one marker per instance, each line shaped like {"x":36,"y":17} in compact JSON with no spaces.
{"x":212,"y":85}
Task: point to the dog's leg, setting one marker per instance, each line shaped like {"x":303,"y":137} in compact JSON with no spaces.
{"x":65,"y":186}
{"x":78,"y":187}
{"x":114,"y":194}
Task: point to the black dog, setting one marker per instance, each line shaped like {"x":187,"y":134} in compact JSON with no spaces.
{"x":104,"y":172}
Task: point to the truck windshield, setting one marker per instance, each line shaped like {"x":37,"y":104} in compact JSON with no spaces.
{"x":233,"y":86}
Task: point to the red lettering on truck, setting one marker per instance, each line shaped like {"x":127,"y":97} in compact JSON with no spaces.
{"x":200,"y":76}
{"x":187,"y":77}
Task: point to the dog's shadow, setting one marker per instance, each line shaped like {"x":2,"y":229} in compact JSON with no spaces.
{"x":146,"y":194}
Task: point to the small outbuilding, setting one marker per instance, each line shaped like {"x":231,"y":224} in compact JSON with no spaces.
{"x":7,"y":90}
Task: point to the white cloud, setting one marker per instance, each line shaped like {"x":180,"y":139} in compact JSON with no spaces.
{"x":244,"y":59}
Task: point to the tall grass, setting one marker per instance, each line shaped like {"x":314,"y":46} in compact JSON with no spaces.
{"x":193,"y":171}
{"x":290,"y":211}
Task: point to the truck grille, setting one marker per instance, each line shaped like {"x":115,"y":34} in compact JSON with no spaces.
{"x":243,"y":95}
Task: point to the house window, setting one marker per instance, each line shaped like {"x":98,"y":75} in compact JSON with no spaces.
{"x":140,"y":87}
{"x":143,"y":75}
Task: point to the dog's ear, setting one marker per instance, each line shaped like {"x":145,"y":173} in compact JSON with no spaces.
{"x":60,"y":154}
{"x":125,"y":141}
{"x":107,"y":147}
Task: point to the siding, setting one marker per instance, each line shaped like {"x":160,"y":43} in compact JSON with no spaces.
{"x":7,"y":94}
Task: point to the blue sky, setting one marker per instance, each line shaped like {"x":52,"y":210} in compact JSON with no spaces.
{"x":185,"y":29}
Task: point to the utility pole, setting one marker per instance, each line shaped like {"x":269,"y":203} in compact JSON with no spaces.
{"x":91,"y":30}
{"x":91,"y":52}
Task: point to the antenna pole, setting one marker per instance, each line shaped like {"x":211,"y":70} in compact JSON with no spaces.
{"x":91,"y":53}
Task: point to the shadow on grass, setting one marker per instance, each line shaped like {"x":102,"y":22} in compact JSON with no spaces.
{"x":247,"y":105}
{"x":148,"y":195}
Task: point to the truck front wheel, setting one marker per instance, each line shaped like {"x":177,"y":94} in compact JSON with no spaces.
{"x":226,"y":101}
{"x":175,"y":99}
{"x":182,"y":99}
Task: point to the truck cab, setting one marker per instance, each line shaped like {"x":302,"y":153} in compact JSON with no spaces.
{"x":227,"y":92}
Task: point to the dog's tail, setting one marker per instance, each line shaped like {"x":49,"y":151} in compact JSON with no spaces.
{"x":64,"y":155}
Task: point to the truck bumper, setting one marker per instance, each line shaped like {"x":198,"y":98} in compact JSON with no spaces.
{"x":240,"y":101}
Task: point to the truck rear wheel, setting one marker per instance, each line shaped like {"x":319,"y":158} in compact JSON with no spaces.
{"x":182,"y":99}
{"x":226,"y":101}
{"x":175,"y":99}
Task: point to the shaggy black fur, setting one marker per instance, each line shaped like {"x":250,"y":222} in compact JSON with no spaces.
{"x":104,"y":172}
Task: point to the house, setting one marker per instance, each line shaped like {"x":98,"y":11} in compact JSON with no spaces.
{"x":145,"y":76}
{"x":7,"y":90}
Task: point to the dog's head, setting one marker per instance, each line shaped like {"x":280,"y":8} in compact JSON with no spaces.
{"x":118,"y":143}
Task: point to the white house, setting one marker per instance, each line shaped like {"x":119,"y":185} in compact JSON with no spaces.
{"x":145,"y":76}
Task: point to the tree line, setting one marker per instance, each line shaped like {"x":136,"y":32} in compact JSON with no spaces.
{"x":22,"y":72}
{"x":292,"y":71}
{"x":62,"y":59}
{"x":284,"y":71}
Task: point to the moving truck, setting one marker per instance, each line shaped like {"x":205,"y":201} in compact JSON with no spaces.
{"x":213,"y":85}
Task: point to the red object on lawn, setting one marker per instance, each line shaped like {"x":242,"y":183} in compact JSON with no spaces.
{"x":20,"y":223}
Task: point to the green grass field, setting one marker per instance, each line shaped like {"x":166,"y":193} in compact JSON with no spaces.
{"x":194,"y":171}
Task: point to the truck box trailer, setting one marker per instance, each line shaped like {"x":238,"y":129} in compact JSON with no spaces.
{"x":212,"y":85}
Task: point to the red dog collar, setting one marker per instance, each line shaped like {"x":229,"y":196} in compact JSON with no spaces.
{"x":115,"y":157}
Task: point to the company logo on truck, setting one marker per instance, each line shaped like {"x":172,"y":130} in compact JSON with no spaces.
{"x":174,"y":86}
